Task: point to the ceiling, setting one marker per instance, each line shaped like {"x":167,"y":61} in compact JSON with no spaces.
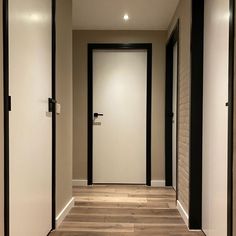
{"x":108,"y":14}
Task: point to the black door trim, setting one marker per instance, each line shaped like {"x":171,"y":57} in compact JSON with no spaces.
{"x":231,"y":117}
{"x":6,"y":115}
{"x":54,"y":114}
{"x":196,"y":116}
{"x":5,"y":9}
{"x":174,"y":38}
{"x":91,"y":47}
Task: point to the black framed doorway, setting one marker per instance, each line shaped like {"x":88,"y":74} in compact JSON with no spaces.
{"x":130,"y":46}
{"x":7,"y":108}
{"x":173,"y":40}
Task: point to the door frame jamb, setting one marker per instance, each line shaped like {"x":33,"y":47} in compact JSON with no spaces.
{"x":174,"y":38}
{"x":117,"y":46}
{"x":196,"y":115}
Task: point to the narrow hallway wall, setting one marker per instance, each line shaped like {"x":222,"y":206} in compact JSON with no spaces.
{"x":183,"y":13}
{"x":64,"y":97}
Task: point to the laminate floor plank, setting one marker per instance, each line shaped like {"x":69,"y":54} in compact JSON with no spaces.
{"x":123,"y":210}
{"x":155,"y":205}
{"x":124,"y":219}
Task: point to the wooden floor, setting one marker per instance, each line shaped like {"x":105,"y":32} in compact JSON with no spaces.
{"x":124,"y":211}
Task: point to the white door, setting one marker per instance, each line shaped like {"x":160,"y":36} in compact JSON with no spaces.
{"x":174,"y":122}
{"x":215,"y":117}
{"x":119,"y":139}
{"x":30,"y":124}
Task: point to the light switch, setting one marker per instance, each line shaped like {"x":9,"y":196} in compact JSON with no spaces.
{"x":58,"y":109}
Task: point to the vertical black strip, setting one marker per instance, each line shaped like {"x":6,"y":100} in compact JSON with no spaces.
{"x":144,"y":46}
{"x":196,"y":113}
{"x":174,"y":38}
{"x":54,"y":114}
{"x":6,"y":115}
{"x":231,"y":117}
{"x":149,"y":115}
{"x":90,"y":115}
{"x":168,"y":115}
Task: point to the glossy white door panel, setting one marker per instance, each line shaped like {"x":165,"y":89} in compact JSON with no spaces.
{"x":174,"y":128}
{"x":30,"y":124}
{"x":215,"y":117}
{"x":119,"y":139}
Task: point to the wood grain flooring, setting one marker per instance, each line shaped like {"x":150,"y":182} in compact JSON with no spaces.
{"x":123,"y":211}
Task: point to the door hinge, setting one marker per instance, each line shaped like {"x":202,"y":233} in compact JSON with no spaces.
{"x":9,"y":103}
{"x":51,"y":104}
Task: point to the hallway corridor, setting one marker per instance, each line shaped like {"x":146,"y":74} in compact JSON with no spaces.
{"x":123,"y":211}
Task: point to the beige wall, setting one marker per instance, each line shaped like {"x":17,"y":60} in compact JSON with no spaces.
{"x":64,"y":97}
{"x":183,"y":13}
{"x":80,"y":41}
{"x":1,"y":131}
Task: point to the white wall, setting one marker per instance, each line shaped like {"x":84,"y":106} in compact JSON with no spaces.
{"x":215,"y":117}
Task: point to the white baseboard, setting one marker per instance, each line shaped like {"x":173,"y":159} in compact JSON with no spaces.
{"x":182,"y":212}
{"x":158,"y":183}
{"x":79,"y":182}
{"x":61,"y":216}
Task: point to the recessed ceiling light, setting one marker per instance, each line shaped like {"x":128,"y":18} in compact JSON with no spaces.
{"x":126,"y":17}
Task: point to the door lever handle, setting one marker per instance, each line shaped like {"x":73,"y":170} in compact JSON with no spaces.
{"x":96,"y":115}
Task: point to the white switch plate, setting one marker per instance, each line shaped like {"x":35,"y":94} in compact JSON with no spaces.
{"x":58,"y":109}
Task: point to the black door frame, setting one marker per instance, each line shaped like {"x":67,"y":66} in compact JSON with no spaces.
{"x":7,"y":108}
{"x":195,"y":157}
{"x":114,"y":46}
{"x":196,"y":116}
{"x":174,"y":38}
